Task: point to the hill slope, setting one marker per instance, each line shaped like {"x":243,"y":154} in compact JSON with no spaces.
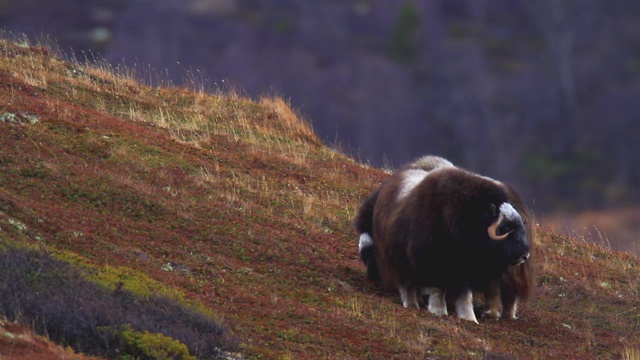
{"x":233,"y":206}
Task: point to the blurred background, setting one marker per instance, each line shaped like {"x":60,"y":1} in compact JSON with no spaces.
{"x":542,"y":94}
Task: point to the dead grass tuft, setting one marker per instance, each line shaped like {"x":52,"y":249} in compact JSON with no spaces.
{"x":630,"y":354}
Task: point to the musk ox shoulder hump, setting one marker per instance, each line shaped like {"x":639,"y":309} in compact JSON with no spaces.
{"x":410,"y":179}
{"x":429,"y":163}
{"x":413,"y":173}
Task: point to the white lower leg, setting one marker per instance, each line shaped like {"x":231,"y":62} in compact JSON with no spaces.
{"x":365,"y":241}
{"x":464,"y":307}
{"x":437,"y":303}
{"x":409,"y":297}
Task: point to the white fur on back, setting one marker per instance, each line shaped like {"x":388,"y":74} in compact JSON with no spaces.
{"x":430,"y":163}
{"x":426,"y":165}
{"x":418,"y":171}
{"x":411,"y":179}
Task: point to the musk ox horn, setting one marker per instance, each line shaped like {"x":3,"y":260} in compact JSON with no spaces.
{"x":492,"y":230}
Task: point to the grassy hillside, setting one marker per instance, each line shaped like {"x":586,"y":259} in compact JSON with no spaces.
{"x":231,"y":211}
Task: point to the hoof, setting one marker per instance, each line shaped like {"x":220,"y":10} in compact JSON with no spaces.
{"x":438,"y":311}
{"x":468,"y":316}
{"x":491,"y":314}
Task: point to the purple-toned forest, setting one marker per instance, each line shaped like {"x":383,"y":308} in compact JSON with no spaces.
{"x":543,"y":94}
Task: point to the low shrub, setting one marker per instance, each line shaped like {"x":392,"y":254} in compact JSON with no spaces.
{"x":58,"y":301}
{"x":146,"y":345}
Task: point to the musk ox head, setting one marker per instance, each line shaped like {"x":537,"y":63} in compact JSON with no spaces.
{"x":507,"y":232}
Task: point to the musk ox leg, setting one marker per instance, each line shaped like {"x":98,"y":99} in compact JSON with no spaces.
{"x":492,"y":300}
{"x":495,"y":298}
{"x":509,"y":307}
{"x":367,"y":252}
{"x":365,"y":243}
{"x":366,"y":246}
{"x":464,"y":306}
{"x":409,"y":297}
{"x":437,"y":304}
{"x":510,"y":311}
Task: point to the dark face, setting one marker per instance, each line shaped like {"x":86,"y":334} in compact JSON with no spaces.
{"x":508,"y":233}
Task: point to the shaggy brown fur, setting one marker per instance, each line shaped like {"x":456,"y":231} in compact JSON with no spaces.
{"x":426,"y":227}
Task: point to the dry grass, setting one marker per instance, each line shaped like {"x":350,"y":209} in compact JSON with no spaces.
{"x":614,"y":228}
{"x":630,"y":354}
{"x":17,"y":341}
{"x":190,"y":117}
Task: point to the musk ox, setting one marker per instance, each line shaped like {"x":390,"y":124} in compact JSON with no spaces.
{"x":434,"y":229}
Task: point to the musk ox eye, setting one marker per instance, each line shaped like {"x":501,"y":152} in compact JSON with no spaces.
{"x":509,"y":228}
{"x":505,"y":229}
{"x":504,"y":224}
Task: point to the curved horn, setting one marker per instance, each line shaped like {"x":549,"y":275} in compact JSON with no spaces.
{"x":492,"y":230}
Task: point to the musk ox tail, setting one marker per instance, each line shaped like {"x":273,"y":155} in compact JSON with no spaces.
{"x":366,"y":247}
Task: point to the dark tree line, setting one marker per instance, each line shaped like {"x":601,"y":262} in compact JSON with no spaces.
{"x":540,"y":93}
